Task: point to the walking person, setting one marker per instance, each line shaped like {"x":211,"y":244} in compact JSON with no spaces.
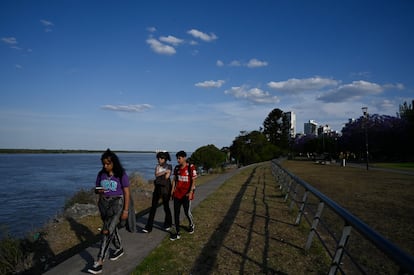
{"x":183,"y":192}
{"x":112,"y":185}
{"x":162,"y":190}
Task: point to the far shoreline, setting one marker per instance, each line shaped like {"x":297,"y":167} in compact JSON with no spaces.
{"x":62,"y":151}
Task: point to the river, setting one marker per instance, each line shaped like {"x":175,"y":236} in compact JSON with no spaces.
{"x":36,"y":186}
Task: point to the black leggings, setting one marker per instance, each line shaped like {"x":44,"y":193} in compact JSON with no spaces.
{"x":186,"y":203}
{"x":160,"y":192}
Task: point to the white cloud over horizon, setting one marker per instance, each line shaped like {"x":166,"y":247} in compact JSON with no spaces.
{"x":254,"y":95}
{"x":203,"y":36}
{"x":138,"y":108}
{"x":160,"y":48}
{"x":210,"y":84}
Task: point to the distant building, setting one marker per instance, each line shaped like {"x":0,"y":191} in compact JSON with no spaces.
{"x":291,"y":117}
{"x":310,"y":128}
{"x":325,"y":129}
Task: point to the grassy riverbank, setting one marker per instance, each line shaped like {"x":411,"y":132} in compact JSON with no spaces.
{"x":245,"y":226}
{"x":63,"y":237}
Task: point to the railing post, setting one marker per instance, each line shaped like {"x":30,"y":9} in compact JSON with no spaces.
{"x":315,"y":223}
{"x":289,"y":187}
{"x":336,"y":261}
{"x":302,"y":207}
{"x":281,"y":180}
{"x":295,"y":192}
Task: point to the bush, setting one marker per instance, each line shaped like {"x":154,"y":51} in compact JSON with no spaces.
{"x":16,"y":255}
{"x":82,"y":196}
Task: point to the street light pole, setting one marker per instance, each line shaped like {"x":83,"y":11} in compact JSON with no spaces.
{"x":365,"y":113}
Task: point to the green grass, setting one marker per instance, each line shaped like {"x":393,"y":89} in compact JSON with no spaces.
{"x":244,"y":227}
{"x":397,"y":165}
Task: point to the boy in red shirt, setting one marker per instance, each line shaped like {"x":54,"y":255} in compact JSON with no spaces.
{"x":183,"y":187}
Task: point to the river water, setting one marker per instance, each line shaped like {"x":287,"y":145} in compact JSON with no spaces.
{"x":36,"y":186}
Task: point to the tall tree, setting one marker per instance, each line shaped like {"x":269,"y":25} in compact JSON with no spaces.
{"x":208,"y":156}
{"x":276,"y":128}
{"x":252,"y":147}
{"x":407,"y":115}
{"x":387,"y":137}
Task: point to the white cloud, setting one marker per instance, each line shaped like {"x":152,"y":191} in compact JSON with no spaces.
{"x":219,"y":63}
{"x":9,"y":40}
{"x":151,"y":29}
{"x":397,"y":86}
{"x":210,"y":84}
{"x":128,"y":108}
{"x":235,"y":63}
{"x":356,"y":89}
{"x":159,"y":47}
{"x":255,"y":95}
{"x":171,"y":40}
{"x":203,"y":36}
{"x":300,"y":85}
{"x":255,"y":63}
{"x":47,"y":24}
{"x":18,"y":66}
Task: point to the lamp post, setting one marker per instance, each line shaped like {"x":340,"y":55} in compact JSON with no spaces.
{"x":365,"y":113}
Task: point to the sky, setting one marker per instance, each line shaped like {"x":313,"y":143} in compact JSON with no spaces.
{"x":179,"y":75}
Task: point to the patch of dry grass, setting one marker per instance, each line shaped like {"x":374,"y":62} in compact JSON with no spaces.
{"x":381,"y":199}
{"x":243,"y":228}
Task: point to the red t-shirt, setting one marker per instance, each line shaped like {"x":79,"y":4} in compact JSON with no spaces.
{"x":182,"y":180}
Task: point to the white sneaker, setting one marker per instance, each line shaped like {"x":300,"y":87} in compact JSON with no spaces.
{"x":96,"y":268}
{"x":118,"y":253}
{"x":175,"y":237}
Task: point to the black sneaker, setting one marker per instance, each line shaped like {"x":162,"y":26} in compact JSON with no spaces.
{"x":191,"y":229}
{"x":118,"y":253}
{"x":175,"y":237}
{"x":96,"y":268}
{"x":145,"y":230}
{"x":167,"y":228}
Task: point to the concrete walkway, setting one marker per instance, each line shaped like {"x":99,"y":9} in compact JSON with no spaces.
{"x":136,"y":245}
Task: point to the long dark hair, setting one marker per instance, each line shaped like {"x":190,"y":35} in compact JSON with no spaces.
{"x":165,"y":155}
{"x":118,"y":168}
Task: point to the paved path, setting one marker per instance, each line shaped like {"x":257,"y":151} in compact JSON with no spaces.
{"x":136,"y":245}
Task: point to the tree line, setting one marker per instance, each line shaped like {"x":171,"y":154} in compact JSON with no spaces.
{"x":390,"y":138}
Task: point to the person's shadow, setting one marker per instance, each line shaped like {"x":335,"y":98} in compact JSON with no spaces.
{"x":86,"y":238}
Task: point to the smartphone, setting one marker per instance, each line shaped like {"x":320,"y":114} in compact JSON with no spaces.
{"x":98,"y":190}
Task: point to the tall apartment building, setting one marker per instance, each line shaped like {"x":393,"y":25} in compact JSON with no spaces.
{"x":310,"y":128}
{"x":291,"y":116}
{"x":325,"y":129}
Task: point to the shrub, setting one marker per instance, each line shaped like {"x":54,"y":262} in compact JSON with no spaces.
{"x":13,"y":258}
{"x":82,"y":196}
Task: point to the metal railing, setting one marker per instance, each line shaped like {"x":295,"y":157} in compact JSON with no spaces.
{"x":333,"y":229}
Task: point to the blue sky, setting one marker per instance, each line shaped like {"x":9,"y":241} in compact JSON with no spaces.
{"x":147,"y":75}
